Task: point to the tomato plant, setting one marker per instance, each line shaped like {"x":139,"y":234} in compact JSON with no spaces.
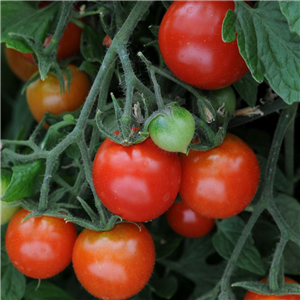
{"x":19,"y":66}
{"x":190,"y":41}
{"x":254,"y":296}
{"x":172,"y":129}
{"x":221,"y":182}
{"x":39,"y":247}
{"x":7,"y":212}
{"x":186,"y":222}
{"x":45,"y":96}
{"x":115,"y":264}
{"x":138,"y":182}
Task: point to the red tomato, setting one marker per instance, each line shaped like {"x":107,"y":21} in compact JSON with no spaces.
{"x":107,"y":41}
{"x":186,"y":222}
{"x":255,"y":296}
{"x":221,"y":182}
{"x":190,"y":41}
{"x":138,"y":182}
{"x":114,"y":264}
{"x":19,"y":66}
{"x":43,"y":96}
{"x":40,"y":247}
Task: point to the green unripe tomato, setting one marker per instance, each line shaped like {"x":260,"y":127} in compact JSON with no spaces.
{"x":173,"y":129}
{"x":7,"y":212}
{"x":226,"y":97}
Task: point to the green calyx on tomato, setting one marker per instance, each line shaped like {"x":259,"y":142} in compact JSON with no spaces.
{"x":172,"y":129}
{"x":223,"y":100}
{"x":7,"y":211}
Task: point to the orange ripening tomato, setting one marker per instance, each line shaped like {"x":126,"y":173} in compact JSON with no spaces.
{"x":254,"y":296}
{"x":19,"y":65}
{"x":107,"y":41}
{"x":187,"y":223}
{"x":114,"y":264}
{"x":45,"y":96}
{"x":221,"y":182}
{"x":40,"y":247}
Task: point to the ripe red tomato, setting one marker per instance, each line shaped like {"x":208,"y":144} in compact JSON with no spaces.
{"x":190,"y":41}
{"x":19,"y":66}
{"x":43,"y":96}
{"x":138,"y":182}
{"x":187,"y":223}
{"x":40,"y":247}
{"x":255,"y":296}
{"x":221,"y":182}
{"x":114,"y":264}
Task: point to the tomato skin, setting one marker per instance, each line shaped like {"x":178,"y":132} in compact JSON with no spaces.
{"x":138,"y":182}
{"x":114,"y":264}
{"x":187,"y":223}
{"x":40,"y":247}
{"x":190,"y":41}
{"x":220,"y":183}
{"x":44,"y":96}
{"x":107,"y":41}
{"x":173,"y":130}
{"x":254,"y":296}
{"x":7,"y":212}
{"x":19,"y":66}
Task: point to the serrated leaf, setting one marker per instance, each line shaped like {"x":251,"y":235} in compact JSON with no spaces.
{"x":46,"y":291}
{"x":291,"y":10}
{"x":269,"y":48}
{"x":26,"y":181}
{"x":227,"y":236}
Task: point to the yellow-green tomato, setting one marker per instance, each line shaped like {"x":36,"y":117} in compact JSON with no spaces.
{"x":7,"y":212}
{"x":173,"y":129}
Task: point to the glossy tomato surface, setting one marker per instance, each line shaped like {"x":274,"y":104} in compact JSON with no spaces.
{"x":255,"y":296}
{"x":190,"y":41}
{"x":221,"y":182}
{"x":45,"y":96}
{"x":114,"y":264}
{"x":40,"y":247}
{"x":138,"y":182}
{"x":19,"y":65}
{"x":187,"y":223}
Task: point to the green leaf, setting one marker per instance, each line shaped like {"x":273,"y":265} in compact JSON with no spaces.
{"x":263,"y":288}
{"x":21,"y":19}
{"x":228,"y":28}
{"x":291,"y":256}
{"x":289,"y":208}
{"x":268,"y":47}
{"x":91,"y":46}
{"x":89,"y":68}
{"x":26,"y":181}
{"x":164,"y":287}
{"x":46,"y":291}
{"x":247,"y":88}
{"x":12,"y":281}
{"x":291,"y":10}
{"x":227,"y":236}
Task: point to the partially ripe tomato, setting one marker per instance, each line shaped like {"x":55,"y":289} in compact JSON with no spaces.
{"x":114,"y":264}
{"x":173,"y":129}
{"x":221,"y":182}
{"x":187,"y":223}
{"x":107,"y":41}
{"x":255,"y":296}
{"x":190,"y":41}
{"x":138,"y":182}
{"x":7,"y":212}
{"x":40,"y":247}
{"x":45,"y":96}
{"x":19,"y":65}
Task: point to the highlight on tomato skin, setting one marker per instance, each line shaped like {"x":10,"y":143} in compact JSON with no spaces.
{"x":220,"y":183}
{"x":190,"y":41}
{"x":114,"y":264}
{"x":45,"y":96}
{"x":255,"y":296}
{"x":187,"y":223}
{"x":40,"y":247}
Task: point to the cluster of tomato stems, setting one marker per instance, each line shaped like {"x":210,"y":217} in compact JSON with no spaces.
{"x":100,"y":91}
